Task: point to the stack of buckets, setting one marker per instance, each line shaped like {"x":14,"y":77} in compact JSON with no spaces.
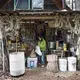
{"x":69,"y":63}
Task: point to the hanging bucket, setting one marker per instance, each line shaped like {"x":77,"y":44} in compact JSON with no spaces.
{"x":63,"y":64}
{"x":17,"y":63}
{"x":72,"y":63}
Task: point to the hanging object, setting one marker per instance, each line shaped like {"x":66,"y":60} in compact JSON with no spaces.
{"x":17,"y":24}
{"x":76,"y":29}
{"x":73,"y":35}
{"x":67,"y":23}
{"x":68,"y":38}
{"x":57,"y":21}
{"x":51,"y":24}
{"x":64,"y":47}
{"x":78,"y":47}
{"x":77,"y":51}
{"x":56,"y":32}
{"x":61,"y":22}
{"x":10,"y":26}
{"x":51,"y":45}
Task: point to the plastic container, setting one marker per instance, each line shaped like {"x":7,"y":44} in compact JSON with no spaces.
{"x":64,"y":47}
{"x":32,"y":62}
{"x":17,"y":63}
{"x":63,"y":64}
{"x":72,"y":63}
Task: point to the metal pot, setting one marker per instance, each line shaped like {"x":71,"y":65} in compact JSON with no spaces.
{"x":51,"y":45}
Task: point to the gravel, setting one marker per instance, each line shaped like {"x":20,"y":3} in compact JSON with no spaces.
{"x":41,"y":74}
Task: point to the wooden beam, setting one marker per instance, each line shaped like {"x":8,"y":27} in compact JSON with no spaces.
{"x":37,"y":17}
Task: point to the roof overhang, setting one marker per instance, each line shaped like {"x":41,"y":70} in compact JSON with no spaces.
{"x":37,"y":15}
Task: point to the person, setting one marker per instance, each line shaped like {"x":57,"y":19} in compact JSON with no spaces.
{"x":42,"y":33}
{"x":42,"y":45}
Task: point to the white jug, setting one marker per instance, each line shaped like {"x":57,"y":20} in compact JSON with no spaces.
{"x":38,"y":51}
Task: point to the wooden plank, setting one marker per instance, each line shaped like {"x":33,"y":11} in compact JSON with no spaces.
{"x":37,"y":17}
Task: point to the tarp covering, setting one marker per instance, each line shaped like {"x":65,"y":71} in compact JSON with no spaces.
{"x":37,"y":4}
{"x":22,"y":4}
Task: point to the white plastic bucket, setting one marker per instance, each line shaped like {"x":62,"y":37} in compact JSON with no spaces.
{"x":32,"y":62}
{"x":17,"y":63}
{"x":63,"y":64}
{"x":72,"y":63}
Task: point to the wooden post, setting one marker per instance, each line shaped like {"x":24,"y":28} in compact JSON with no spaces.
{"x":16,"y":43}
{"x":2,"y":49}
{"x":62,"y":54}
{"x":2,"y":46}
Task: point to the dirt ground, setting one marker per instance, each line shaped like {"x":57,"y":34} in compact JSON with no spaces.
{"x":42,"y":74}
